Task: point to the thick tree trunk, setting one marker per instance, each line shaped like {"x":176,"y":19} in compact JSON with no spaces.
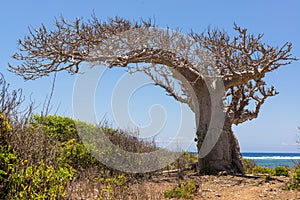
{"x":225,"y":155}
{"x":219,"y":151}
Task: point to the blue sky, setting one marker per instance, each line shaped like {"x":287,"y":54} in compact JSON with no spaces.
{"x":274,"y":130}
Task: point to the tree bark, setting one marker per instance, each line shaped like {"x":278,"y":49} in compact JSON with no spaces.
{"x":225,"y":155}
{"x":221,"y":151}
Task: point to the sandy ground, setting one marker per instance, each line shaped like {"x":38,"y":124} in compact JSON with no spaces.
{"x":225,"y":187}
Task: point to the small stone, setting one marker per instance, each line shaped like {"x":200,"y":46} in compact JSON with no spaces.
{"x":223,"y":173}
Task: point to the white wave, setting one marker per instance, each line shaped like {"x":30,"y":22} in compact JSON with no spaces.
{"x":272,"y":157}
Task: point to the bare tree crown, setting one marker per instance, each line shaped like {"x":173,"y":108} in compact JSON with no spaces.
{"x":242,"y":60}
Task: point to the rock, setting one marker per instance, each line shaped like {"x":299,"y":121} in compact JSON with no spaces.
{"x":223,"y":173}
{"x":207,"y":190}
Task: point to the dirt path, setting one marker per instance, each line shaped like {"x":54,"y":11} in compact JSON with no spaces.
{"x":223,"y":188}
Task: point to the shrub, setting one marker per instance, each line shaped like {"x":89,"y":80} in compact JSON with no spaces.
{"x":187,"y":159}
{"x":114,"y":184}
{"x":295,"y":184}
{"x":39,"y":182}
{"x":263,"y":170}
{"x":249,"y":165}
{"x":281,"y":171}
{"x":129,"y":141}
{"x":34,"y":145}
{"x":4,"y":129}
{"x":57,"y":127}
{"x":4,"y":124}
{"x":7,"y":159}
{"x":64,"y":129}
{"x":296,"y":178}
{"x":185,"y":190}
{"x":277,"y":171}
{"x":7,"y":156}
{"x":184,"y":162}
{"x":75,"y":154}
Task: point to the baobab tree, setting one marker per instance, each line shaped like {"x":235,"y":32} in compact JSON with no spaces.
{"x":239,"y":63}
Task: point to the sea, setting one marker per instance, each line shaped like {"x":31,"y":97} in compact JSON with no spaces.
{"x":272,"y":160}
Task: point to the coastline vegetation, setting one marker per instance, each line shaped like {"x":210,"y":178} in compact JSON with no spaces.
{"x":48,"y":166}
{"x":42,"y":157}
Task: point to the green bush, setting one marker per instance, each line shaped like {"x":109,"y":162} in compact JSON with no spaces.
{"x":57,"y":127}
{"x":185,"y":161}
{"x":296,"y":175}
{"x":277,"y":171}
{"x":263,"y":170}
{"x":296,"y":178}
{"x":185,"y":190}
{"x":189,"y":159}
{"x":75,"y":154}
{"x":39,"y":182}
{"x":281,"y":171}
{"x":114,"y":183}
{"x":4,"y":129}
{"x":295,"y":184}
{"x":248,"y":165}
{"x":78,"y":141}
{"x":64,"y":128}
{"x":8,"y":158}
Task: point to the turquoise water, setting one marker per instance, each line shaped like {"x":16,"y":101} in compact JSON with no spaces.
{"x":274,"y":159}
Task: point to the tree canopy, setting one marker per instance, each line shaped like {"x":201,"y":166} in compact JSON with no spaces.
{"x":242,"y":61}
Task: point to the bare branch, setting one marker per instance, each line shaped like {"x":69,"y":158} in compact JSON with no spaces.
{"x":244,"y":57}
{"x":241,"y":61}
{"x":43,"y":51}
{"x":244,"y":97}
